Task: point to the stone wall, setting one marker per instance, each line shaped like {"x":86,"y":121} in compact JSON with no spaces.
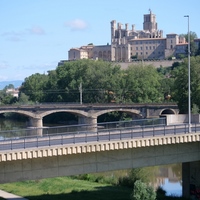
{"x":157,"y":64}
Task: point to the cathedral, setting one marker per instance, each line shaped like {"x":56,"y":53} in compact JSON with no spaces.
{"x":131,"y":44}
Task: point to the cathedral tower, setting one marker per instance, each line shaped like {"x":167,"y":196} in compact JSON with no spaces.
{"x":150,"y":22}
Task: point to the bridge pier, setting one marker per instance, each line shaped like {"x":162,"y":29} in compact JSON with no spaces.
{"x":37,"y":124}
{"x":191,"y":180}
{"x":90,"y":122}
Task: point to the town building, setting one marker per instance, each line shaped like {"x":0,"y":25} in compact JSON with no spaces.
{"x":131,"y":44}
{"x":13,"y":91}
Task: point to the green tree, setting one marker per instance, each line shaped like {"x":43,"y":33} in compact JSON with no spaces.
{"x":193,"y":48}
{"x":142,"y":191}
{"x":142,"y":84}
{"x":34,"y":86}
{"x":10,"y":86}
{"x":98,"y":80}
{"x":23,"y":99}
{"x":6,"y":97}
{"x":52,"y":92}
{"x":181,"y":84}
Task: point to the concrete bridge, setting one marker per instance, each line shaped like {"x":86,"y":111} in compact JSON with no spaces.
{"x":88,"y":113}
{"x":92,"y":152}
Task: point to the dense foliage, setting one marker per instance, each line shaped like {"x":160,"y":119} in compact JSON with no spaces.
{"x":181,"y":84}
{"x":100,"y":82}
{"x":106,"y":82}
{"x":142,"y":191}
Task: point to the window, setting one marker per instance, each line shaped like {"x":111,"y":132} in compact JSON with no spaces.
{"x":136,"y":48}
{"x":140,"y":48}
{"x":146,"y":47}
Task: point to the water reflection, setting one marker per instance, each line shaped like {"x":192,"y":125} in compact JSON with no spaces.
{"x":10,"y":124}
{"x":170,"y":179}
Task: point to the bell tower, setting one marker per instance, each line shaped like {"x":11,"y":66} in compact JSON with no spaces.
{"x":150,"y":22}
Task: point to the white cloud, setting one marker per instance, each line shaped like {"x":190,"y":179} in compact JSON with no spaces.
{"x":4,"y":65}
{"x":15,"y":36}
{"x":76,"y":24}
{"x":37,"y":30}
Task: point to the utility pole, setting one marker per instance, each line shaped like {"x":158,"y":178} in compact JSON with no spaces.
{"x":81,"y":93}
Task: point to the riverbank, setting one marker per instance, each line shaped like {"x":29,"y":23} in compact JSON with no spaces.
{"x":68,"y":188}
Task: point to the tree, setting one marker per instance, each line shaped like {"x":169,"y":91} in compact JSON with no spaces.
{"x":193,"y":48}
{"x":23,"y":98}
{"x":10,"y":86}
{"x":142,"y":191}
{"x":141,"y":84}
{"x":181,"y":84}
{"x":98,"y":80}
{"x":6,"y":97}
{"x":52,"y":91}
{"x":34,"y":86}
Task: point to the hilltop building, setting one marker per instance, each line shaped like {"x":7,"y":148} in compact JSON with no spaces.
{"x":128,"y":44}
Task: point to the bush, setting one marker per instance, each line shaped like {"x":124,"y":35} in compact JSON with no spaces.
{"x":142,"y":191}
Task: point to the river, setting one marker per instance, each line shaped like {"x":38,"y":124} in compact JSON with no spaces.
{"x":168,"y":177}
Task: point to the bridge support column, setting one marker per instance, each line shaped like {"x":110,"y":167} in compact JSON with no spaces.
{"x":90,"y":122}
{"x":36,"y":124}
{"x":191,"y":180}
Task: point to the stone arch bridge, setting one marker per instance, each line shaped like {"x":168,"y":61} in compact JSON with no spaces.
{"x":88,"y":113}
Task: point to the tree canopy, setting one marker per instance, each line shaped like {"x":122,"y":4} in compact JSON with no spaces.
{"x":181,"y":84}
{"x":102,"y":82}
{"x":105,"y":82}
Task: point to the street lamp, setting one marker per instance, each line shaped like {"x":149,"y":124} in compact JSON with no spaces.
{"x":189,"y":98}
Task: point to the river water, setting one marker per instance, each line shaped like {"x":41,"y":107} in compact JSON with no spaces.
{"x":168,"y":177}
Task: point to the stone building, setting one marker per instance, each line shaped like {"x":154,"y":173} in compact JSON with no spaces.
{"x":128,"y":44}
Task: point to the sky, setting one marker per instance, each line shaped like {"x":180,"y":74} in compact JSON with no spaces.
{"x":36,"y":34}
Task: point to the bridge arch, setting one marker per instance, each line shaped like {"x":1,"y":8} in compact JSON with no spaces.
{"x":133,"y":111}
{"x":82,"y":115}
{"x":168,"y":111}
{"x":26,"y":113}
{"x":78,"y":112}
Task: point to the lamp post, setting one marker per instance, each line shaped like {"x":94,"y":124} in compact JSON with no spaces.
{"x":189,"y":98}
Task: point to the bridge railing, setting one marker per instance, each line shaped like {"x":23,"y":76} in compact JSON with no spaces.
{"x":98,"y":136}
{"x":80,"y":127}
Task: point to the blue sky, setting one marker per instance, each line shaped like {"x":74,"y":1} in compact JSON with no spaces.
{"x":36,"y":34}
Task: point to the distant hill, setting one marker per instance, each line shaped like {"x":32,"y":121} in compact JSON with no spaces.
{"x":16,"y":83}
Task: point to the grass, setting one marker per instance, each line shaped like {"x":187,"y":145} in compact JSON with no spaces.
{"x":62,"y":188}
{"x":66,"y":188}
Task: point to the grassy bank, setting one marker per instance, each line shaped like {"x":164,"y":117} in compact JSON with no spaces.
{"x":67,"y":188}
{"x":71,"y":189}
